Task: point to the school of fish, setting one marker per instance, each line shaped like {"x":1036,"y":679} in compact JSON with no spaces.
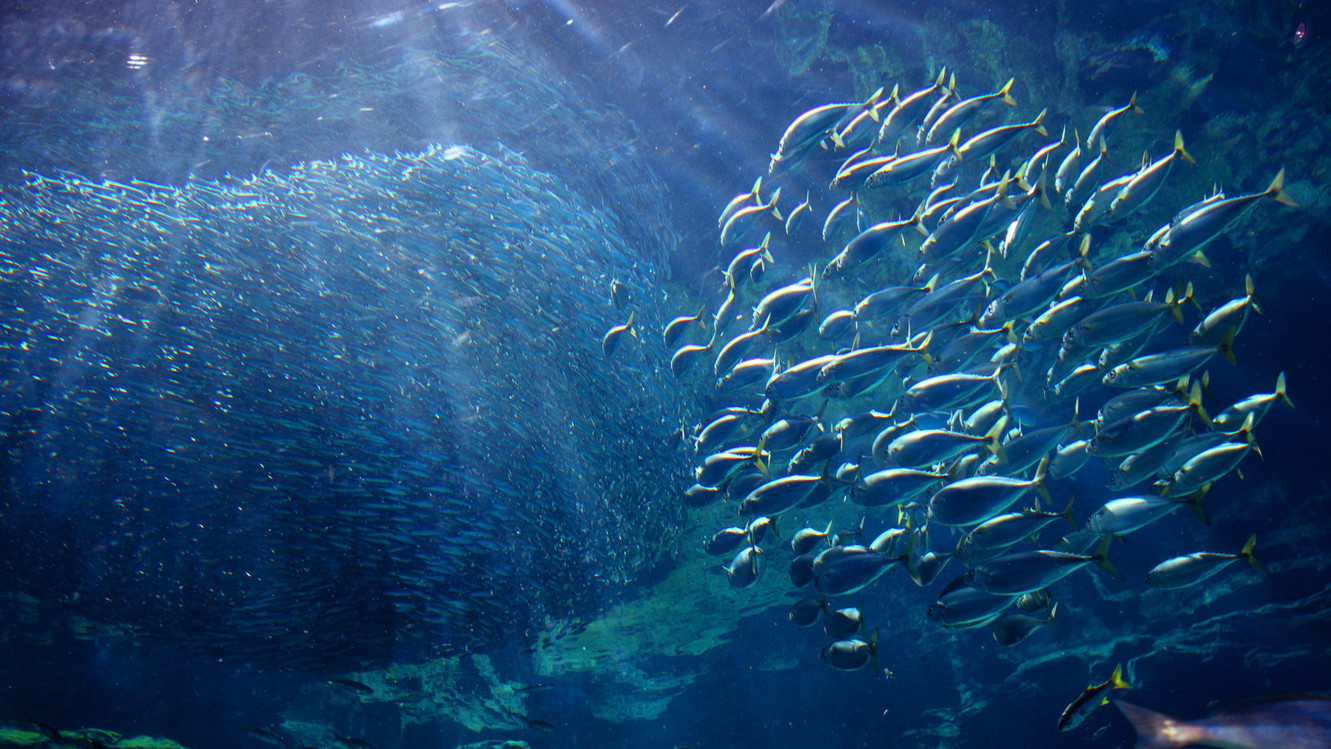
{"x":306,"y":419}
{"x":976,"y":327}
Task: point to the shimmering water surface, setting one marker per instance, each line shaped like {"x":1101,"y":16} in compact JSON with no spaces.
{"x":335,"y":407}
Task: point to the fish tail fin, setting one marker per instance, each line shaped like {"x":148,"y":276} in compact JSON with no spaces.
{"x":1280,"y":390}
{"x":1040,"y":484}
{"x":1083,"y":253}
{"x":923,"y":348}
{"x":758,"y":463}
{"x":954,"y":141}
{"x":1245,"y":432}
{"x":1132,"y":104}
{"x":1277,"y":191}
{"x":942,"y":77}
{"x":1199,"y":258}
{"x":1049,"y":622}
{"x":1195,"y":403}
{"x":1116,"y":680}
{"x":1101,"y":558}
{"x":994,"y":438}
{"x":1076,"y":416}
{"x":1066,"y":514}
{"x":1194,"y":503}
{"x":1176,"y":304}
{"x":1002,"y":191}
{"x":1178,"y":148}
{"x":1022,"y":170}
{"x":870,"y":104}
{"x":1227,"y":348}
{"x":1007,"y":97}
{"x":1249,"y":557}
{"x":1157,"y":730}
{"x":1039,"y":118}
{"x":771,"y":205}
{"x":917,"y":221}
{"x":1041,"y":189}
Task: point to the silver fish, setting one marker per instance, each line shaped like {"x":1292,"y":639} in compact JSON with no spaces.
{"x":676,"y":327}
{"x":798,"y":380}
{"x":842,"y":570}
{"x":960,"y":606}
{"x":966,"y":110}
{"x":1119,"y":322}
{"x":1190,"y":569}
{"x":1121,"y":274}
{"x":610,"y":341}
{"x":686,"y":355}
{"x":910,"y":166}
{"x":867,"y":244}
{"x":780,"y":305}
{"x":1119,"y":517}
{"x":1025,"y":571}
{"x":1004,"y":531}
{"x":797,"y":216}
{"x":745,"y":373}
{"x":1147,"y":182}
{"x":725,"y":541}
{"x":1103,"y":125}
{"x":843,"y":623}
{"x":1256,"y":406}
{"x":1074,"y":194}
{"x":1068,"y":168}
{"x":743,"y":220}
{"x":851,"y":655}
{"x":1034,"y":292}
{"x":893,"y":486}
{"x":1168,"y":366}
{"x":1229,"y":317}
{"x":1091,"y":699}
{"x":837,"y":325}
{"x":744,"y":569}
{"x":866,"y":361}
{"x":1013,"y":629}
{"x":805,"y":539}
{"x":1195,"y":228}
{"x":983,"y":144}
{"x":974,"y":500}
{"x":739,"y":201}
{"x":778,"y":495}
{"x":1212,"y":464}
{"x":815,"y":124}
{"x":1143,"y":430}
{"x":924,"y":447}
{"x":907,"y":113}
{"x":742,"y":264}
{"x":735,"y":349}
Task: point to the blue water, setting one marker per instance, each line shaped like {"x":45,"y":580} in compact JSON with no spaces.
{"x":301,"y":374}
